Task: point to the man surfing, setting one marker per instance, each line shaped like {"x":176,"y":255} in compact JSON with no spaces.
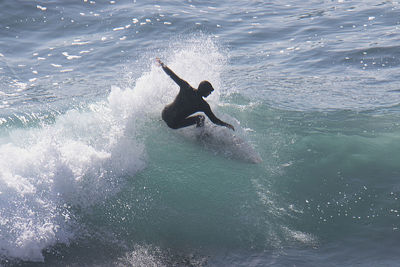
{"x":189,"y":101}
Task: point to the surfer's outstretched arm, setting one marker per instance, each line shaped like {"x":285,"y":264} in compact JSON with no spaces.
{"x":171,"y":74}
{"x":214,"y":119}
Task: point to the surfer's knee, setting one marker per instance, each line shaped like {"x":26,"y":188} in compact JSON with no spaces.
{"x":168,"y":120}
{"x":164,"y":115}
{"x":173,"y":126}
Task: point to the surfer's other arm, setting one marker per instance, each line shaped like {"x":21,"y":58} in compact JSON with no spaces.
{"x":214,"y":119}
{"x":171,"y":74}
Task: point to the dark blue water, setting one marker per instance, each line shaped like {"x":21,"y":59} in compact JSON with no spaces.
{"x":91,"y":176}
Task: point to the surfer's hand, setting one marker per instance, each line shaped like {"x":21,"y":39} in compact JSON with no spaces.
{"x":229,"y":126}
{"x":159,"y":62}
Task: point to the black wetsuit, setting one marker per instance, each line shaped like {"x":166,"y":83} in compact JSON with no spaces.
{"x":187,"y":102}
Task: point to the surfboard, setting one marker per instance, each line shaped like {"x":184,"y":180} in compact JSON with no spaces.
{"x":223,"y":141}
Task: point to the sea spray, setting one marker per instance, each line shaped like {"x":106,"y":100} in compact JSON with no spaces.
{"x":83,"y":156}
{"x":77,"y":161}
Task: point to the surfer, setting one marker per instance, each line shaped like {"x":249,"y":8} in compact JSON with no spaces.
{"x":189,"y":101}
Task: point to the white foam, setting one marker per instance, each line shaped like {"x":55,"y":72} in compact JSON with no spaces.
{"x":141,"y":256}
{"x":86,"y":155}
{"x":79,"y":160}
{"x":299,"y":236}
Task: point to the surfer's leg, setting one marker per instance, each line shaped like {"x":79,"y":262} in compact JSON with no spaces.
{"x":198,"y":120}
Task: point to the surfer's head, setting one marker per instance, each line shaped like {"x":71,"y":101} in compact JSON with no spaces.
{"x":205,"y":88}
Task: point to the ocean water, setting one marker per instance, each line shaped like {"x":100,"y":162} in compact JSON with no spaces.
{"x":91,"y":176}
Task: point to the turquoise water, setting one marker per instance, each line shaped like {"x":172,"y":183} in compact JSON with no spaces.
{"x":91,"y":176}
